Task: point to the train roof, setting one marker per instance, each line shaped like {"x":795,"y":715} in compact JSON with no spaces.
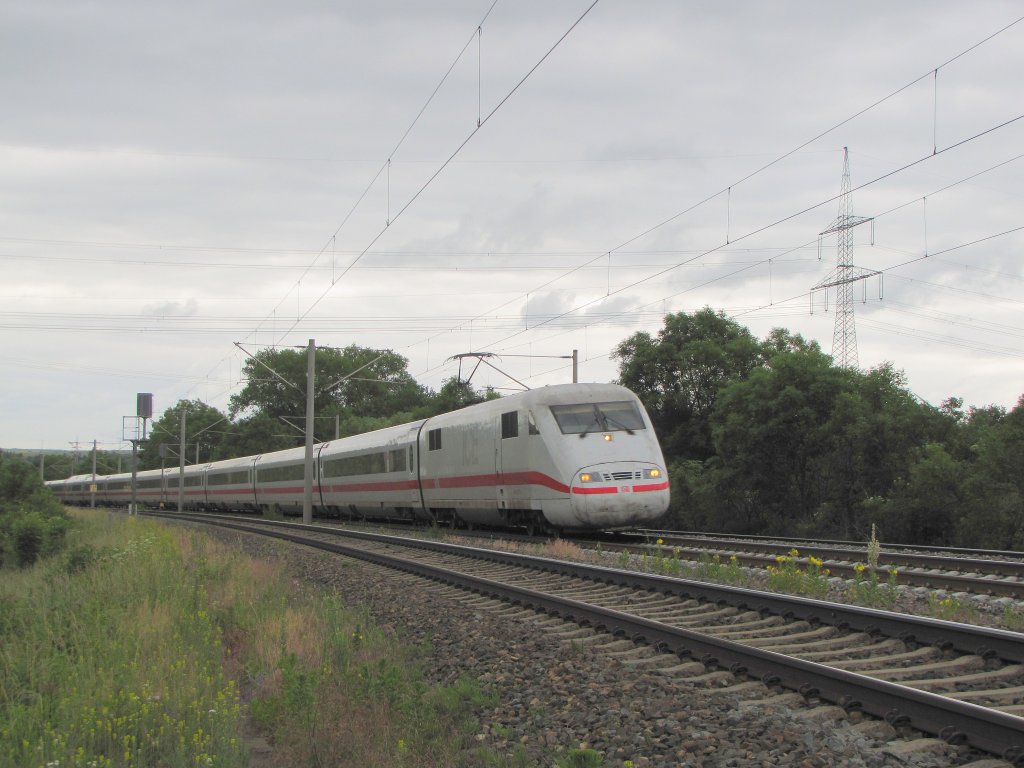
{"x":242,"y":462}
{"x":376,"y":439}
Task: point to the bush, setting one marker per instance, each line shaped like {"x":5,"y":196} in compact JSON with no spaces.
{"x":79,"y":558}
{"x":27,"y":533}
{"x":33,"y":522}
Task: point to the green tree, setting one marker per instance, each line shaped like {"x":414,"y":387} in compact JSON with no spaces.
{"x":369,"y":382}
{"x":204,"y":426}
{"x":772,"y":432}
{"x":678,"y":375}
{"x":926,"y":505}
{"x":809,"y":448}
{"x":879,"y":428}
{"x":455,"y":394}
{"x":258,"y":433}
{"x":994,"y":490}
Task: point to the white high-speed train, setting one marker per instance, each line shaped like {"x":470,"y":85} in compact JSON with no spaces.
{"x":563,"y":457}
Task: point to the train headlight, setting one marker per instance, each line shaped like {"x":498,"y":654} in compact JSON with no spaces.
{"x":652,"y":474}
{"x":587,"y":477}
{"x":607,"y":437}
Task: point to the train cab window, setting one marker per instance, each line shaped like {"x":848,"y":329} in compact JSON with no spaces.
{"x":434,"y":440}
{"x":583,"y":418}
{"x":532,"y":423}
{"x":509,"y":425}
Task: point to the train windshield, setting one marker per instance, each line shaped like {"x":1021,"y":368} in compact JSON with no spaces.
{"x":581,"y":418}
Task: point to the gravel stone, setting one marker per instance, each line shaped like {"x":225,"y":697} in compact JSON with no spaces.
{"x":553,"y":696}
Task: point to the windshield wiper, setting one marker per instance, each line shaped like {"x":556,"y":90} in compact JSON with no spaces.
{"x":602,"y":420}
{"x":599,"y":419}
{"x":612,"y":420}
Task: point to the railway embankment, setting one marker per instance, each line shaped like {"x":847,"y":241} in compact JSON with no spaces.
{"x":153,"y":645}
{"x":558,"y":697}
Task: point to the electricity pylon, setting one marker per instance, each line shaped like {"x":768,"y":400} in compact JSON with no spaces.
{"x":842,"y":278}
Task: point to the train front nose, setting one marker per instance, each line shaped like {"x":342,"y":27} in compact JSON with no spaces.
{"x":620,"y":494}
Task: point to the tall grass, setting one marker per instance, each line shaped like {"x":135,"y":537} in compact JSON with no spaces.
{"x":113,"y":659}
{"x":152,"y":646}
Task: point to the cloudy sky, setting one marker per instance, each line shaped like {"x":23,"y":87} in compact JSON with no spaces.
{"x":178,"y":177}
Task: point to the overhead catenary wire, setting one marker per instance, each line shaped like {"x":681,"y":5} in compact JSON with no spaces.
{"x":784,"y":219}
{"x":744,"y":268}
{"x":761,"y":169}
{"x":441,"y":168}
{"x":553,"y":324}
{"x":386,"y":165}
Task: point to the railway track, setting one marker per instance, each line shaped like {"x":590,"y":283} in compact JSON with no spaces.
{"x":838,"y":544}
{"x":995,"y":573}
{"x":962,"y":683}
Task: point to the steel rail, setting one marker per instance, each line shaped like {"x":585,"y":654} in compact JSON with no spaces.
{"x":779,"y":541}
{"x":954,"y":721}
{"x":987,"y":642}
{"x":955,"y":582}
{"x":906,"y":559}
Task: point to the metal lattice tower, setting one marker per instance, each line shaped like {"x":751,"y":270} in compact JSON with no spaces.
{"x":842,"y":278}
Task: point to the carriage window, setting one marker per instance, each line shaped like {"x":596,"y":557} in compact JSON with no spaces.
{"x":279,"y":473}
{"x":360,"y":464}
{"x":434,"y":440}
{"x":238,"y":477}
{"x":396,"y":461}
{"x":582,"y":418}
{"x":532,"y":422}
{"x":509,"y":425}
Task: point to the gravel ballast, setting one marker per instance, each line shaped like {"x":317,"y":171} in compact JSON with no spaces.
{"x":553,"y":695}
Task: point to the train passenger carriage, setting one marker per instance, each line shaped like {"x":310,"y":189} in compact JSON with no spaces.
{"x":372,"y":475}
{"x":72,"y":490}
{"x":231,"y":484}
{"x":279,"y":480}
{"x":102,"y":483}
{"x":149,"y":488}
{"x":192,"y":481}
{"x":61,"y":488}
{"x":117,"y":490}
{"x":79,"y":489}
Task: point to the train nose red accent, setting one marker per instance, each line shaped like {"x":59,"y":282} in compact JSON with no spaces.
{"x":624,"y":493}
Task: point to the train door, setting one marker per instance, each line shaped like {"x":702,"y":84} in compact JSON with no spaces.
{"x":499,"y":478}
{"x":509,"y":461}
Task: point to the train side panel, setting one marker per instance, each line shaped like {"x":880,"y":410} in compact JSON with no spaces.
{"x":231,"y":484}
{"x":194,"y":495}
{"x":280,"y":478}
{"x":149,"y":488}
{"x":372,"y":475}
